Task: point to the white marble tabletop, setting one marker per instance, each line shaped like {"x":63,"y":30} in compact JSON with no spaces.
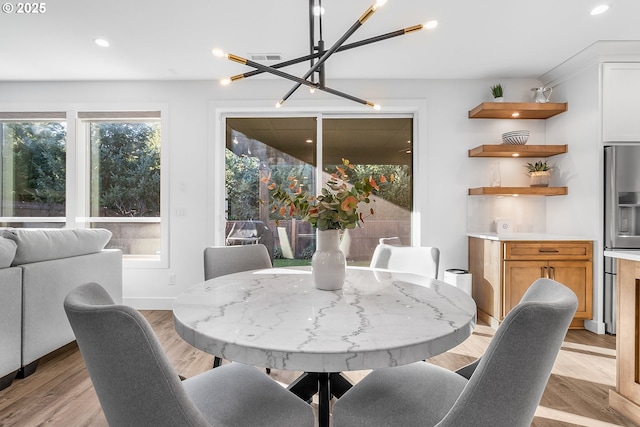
{"x":276,"y":318}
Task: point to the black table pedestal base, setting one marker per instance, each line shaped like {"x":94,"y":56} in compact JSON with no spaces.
{"x":326,"y":385}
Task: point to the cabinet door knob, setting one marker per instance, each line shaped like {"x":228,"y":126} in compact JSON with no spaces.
{"x":553,"y":273}
{"x":548,"y":251}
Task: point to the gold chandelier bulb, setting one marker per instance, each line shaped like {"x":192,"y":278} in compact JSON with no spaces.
{"x":225,"y":82}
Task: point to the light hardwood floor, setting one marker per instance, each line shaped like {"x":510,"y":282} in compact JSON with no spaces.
{"x":60,"y":394}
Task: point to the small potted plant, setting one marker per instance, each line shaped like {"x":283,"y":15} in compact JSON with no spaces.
{"x":539,"y":173}
{"x":497,"y":93}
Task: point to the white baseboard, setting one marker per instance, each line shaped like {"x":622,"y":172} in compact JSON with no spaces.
{"x":594,"y":326}
{"x":149,"y":303}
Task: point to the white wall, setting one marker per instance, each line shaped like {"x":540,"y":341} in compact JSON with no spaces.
{"x":581,"y":211}
{"x":446,"y":172}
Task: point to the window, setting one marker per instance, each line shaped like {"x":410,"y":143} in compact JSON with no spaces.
{"x":33,"y":169}
{"x":111,"y":159}
{"x":283,"y":147}
{"x":123,"y":191}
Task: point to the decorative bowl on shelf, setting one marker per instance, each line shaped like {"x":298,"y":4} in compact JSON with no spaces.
{"x":515,"y":137}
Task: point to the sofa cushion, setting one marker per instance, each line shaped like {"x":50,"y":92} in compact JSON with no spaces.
{"x":7,"y":252}
{"x":38,"y":244}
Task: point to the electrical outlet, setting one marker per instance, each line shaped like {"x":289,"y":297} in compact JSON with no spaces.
{"x":172,"y":279}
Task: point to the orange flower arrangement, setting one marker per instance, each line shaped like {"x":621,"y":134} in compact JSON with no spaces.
{"x":336,"y":208}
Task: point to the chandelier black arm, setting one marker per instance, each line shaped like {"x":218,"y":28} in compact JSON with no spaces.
{"x":312,"y":33}
{"x":332,"y":49}
{"x":267,"y":69}
{"x":347,"y":96}
{"x":340,"y":49}
{"x":300,"y":81}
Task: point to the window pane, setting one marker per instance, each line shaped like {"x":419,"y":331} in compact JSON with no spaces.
{"x":124,"y":194}
{"x":135,"y":239}
{"x":376,"y":146}
{"x":260,"y":151}
{"x":33,"y":171}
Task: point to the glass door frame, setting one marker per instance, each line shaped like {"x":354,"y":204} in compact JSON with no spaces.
{"x":220,"y":111}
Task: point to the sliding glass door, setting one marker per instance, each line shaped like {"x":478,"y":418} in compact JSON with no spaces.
{"x":265,"y":151}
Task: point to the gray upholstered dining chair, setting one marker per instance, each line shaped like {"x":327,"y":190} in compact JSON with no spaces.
{"x":423,"y":260}
{"x":501,"y":389}
{"x":137,"y":385}
{"x":221,"y":260}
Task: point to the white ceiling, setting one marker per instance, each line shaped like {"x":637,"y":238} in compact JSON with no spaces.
{"x":172,"y":40}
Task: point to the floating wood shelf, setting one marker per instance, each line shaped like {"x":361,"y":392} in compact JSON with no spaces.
{"x":517,"y":150}
{"x":525,"y":110}
{"x":520,"y":191}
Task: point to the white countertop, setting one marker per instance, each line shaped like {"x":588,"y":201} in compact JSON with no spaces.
{"x":276,"y":318}
{"x":628,"y":254}
{"x":525,"y":236}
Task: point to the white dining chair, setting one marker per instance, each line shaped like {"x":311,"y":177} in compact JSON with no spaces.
{"x":422,"y":260}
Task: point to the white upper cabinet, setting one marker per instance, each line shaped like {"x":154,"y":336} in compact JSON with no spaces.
{"x":621,"y":102}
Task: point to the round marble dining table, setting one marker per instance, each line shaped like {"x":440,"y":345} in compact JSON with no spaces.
{"x":276,"y":318}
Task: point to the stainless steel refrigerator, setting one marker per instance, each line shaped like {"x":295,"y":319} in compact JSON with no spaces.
{"x":621,"y":216}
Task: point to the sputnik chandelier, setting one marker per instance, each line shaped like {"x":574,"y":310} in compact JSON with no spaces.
{"x":318,"y":55}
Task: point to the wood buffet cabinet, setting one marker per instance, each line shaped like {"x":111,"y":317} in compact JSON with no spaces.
{"x":626,"y":396}
{"x":503,"y":270}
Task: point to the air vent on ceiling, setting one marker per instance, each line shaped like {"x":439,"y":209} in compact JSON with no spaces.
{"x":265,"y":56}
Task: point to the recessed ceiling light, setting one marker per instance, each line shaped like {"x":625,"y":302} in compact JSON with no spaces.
{"x":599,"y":9}
{"x":101,"y":42}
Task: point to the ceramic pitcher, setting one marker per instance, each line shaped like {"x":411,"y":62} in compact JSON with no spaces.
{"x":542,"y":94}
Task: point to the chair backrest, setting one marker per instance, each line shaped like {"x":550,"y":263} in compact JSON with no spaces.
{"x":423,"y":260}
{"x":134,"y":380}
{"x":221,"y":260}
{"x":507,"y":384}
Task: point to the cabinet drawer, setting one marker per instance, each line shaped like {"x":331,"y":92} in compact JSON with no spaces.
{"x":548,"y":250}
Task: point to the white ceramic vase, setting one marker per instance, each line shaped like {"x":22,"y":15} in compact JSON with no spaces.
{"x":328,"y":263}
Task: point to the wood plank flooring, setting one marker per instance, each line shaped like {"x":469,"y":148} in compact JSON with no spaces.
{"x":60,"y":393}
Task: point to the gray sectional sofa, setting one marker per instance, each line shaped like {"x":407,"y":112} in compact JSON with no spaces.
{"x":38,"y":267}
